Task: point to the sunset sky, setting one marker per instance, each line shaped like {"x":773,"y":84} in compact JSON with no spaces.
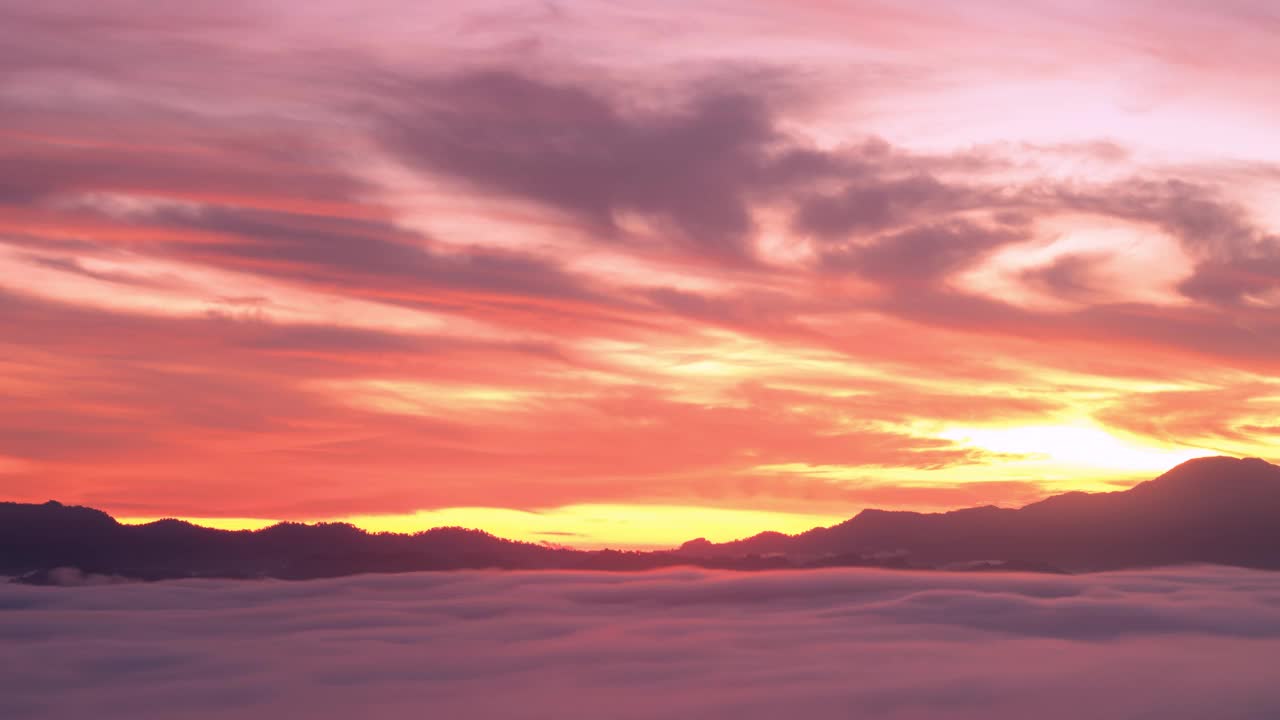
{"x":628,"y":273}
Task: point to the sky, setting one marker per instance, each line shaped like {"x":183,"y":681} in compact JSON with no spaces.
{"x":628,"y":273}
{"x":1177,"y":644}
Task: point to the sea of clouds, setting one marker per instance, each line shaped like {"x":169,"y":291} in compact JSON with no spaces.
{"x":1192,"y":643}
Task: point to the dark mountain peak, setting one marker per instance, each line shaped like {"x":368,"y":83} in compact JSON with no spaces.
{"x":1213,"y":483}
{"x":169,"y":523}
{"x":317,"y":532}
{"x":460,"y":537}
{"x":169,"y":527}
{"x":981,"y":510}
{"x":879,"y":512}
{"x":1064,"y":501}
{"x":876,"y":517}
{"x":1217,"y":509}
{"x":696,"y":545}
{"x":456,"y":531}
{"x":873,"y":515}
{"x":1217,"y":469}
{"x":52,"y":514}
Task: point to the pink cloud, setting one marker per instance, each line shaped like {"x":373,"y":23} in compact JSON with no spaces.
{"x":531,"y":259}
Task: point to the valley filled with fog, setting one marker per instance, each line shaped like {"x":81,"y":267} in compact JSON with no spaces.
{"x":678,"y":643}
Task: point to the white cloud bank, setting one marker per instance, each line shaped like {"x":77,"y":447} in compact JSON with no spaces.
{"x":1189,"y":643}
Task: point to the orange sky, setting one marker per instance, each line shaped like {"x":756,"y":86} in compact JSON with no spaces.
{"x":625,"y":273}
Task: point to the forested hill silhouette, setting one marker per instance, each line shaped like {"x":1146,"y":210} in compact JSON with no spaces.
{"x":1212,"y":510}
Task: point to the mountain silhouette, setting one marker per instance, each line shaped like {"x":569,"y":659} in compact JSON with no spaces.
{"x":1211,"y":510}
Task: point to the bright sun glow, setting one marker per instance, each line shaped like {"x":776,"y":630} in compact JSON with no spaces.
{"x":1075,"y":446}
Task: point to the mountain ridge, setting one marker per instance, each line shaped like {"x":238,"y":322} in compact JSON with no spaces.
{"x":1237,"y":499}
{"x":1209,"y":510}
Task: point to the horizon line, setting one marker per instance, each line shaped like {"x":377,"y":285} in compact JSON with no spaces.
{"x":548,"y":537}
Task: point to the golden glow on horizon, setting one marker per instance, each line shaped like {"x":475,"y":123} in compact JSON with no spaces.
{"x":219,"y":523}
{"x":587,"y":526}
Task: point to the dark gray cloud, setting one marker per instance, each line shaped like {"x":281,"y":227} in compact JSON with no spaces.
{"x":1069,"y":276}
{"x":1242,"y":337}
{"x":1233,"y":279}
{"x":201,"y":161}
{"x":1177,"y":644}
{"x":699,"y":166}
{"x":869,"y":206}
{"x":1196,"y":214}
{"x":1235,"y":257}
{"x":924,"y":254}
{"x":359,"y":254}
{"x":693,"y":167}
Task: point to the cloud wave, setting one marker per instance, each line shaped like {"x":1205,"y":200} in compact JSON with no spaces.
{"x":1187,"y":643}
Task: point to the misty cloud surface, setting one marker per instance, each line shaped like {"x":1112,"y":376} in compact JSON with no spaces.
{"x":1187,"y":643}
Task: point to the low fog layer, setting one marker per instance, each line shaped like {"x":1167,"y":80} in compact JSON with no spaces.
{"x":1179,"y":643}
